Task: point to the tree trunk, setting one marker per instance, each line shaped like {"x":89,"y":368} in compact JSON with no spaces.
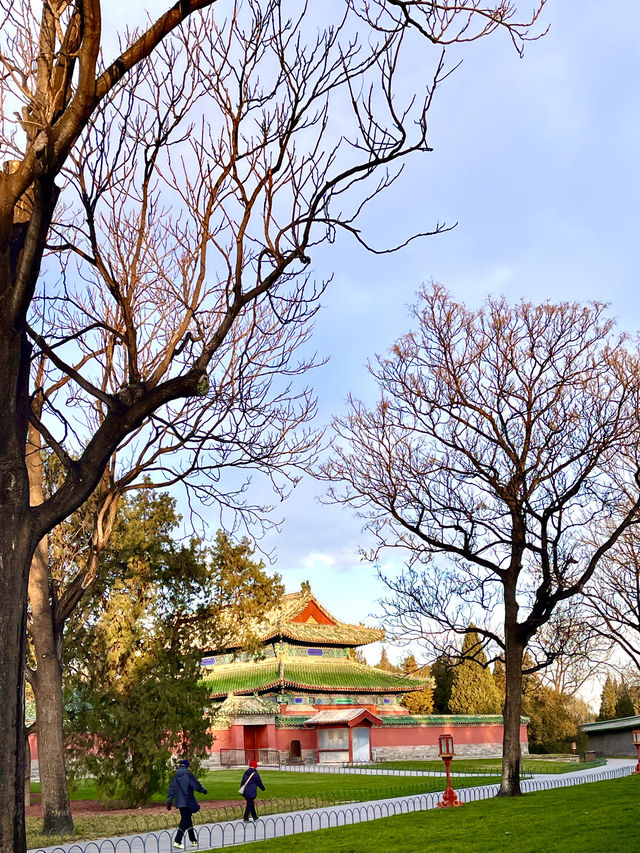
{"x":47,"y":678}
{"x":17,"y":538}
{"x":27,"y":772}
{"x":510,"y":783}
{"x":15,"y":556}
{"x":47,"y":689}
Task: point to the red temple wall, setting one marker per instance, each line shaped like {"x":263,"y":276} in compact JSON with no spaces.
{"x":307,"y":738}
{"x":428,"y":735}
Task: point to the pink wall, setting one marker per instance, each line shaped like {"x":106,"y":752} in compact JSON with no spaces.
{"x":307,"y":738}
{"x":428,"y":735}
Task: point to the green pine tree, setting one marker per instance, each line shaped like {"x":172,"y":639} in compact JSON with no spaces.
{"x":418,"y":702}
{"x":474,"y":690}
{"x":624,"y":703}
{"x":442,"y":674}
{"x":499,"y":676}
{"x":608,"y":699}
{"x":136,"y":695}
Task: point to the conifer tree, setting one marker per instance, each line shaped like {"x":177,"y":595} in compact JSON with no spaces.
{"x":385,"y":663}
{"x":608,"y":699}
{"x":442,"y":674}
{"x":499,"y":676}
{"x":624,"y":703}
{"x":419,"y":701}
{"x":409,"y":665}
{"x":473,"y":690}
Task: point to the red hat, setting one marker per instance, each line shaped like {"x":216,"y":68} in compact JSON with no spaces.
{"x":253,"y":764}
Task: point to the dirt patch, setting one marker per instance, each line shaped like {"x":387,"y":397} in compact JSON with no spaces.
{"x":90,"y":808}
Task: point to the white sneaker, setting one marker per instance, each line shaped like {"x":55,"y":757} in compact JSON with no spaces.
{"x":179,"y":845}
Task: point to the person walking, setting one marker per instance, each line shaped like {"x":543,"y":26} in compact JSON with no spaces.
{"x":251,"y":781}
{"x":181,"y":791}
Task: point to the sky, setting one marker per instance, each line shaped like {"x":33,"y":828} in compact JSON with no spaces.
{"x":536,"y":160}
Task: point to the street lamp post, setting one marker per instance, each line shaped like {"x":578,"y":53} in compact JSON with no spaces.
{"x":636,"y":742}
{"x":449,"y":798}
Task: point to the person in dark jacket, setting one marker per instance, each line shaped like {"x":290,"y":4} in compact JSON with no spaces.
{"x":181,"y":791}
{"x":253,"y":781}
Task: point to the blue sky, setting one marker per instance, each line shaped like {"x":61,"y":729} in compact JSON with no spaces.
{"x":536,"y":160}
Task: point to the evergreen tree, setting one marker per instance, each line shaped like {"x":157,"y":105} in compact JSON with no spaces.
{"x":624,"y":703}
{"x":385,"y":663}
{"x":409,"y":665}
{"x":418,"y":702}
{"x":554,"y":720}
{"x":136,"y":696}
{"x":442,"y":674}
{"x":499,"y":676}
{"x":608,"y":699}
{"x":473,"y":690}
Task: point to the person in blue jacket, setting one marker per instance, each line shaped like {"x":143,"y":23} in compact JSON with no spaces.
{"x":181,"y":791}
{"x":252,"y":781}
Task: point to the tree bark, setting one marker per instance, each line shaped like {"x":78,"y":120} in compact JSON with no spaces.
{"x":514,"y":650}
{"x":47,"y":689}
{"x":47,"y":677}
{"x":16,"y":548}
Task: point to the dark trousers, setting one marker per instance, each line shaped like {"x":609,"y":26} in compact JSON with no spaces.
{"x":250,"y":809}
{"x":186,"y":823}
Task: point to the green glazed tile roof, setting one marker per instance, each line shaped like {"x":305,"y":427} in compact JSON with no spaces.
{"x":243,"y":678}
{"x":347,"y":675}
{"x":446,"y":720}
{"x":282,"y":673}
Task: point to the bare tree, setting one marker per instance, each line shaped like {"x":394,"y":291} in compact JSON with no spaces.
{"x":613,"y":598}
{"x":496,"y":458}
{"x":568,"y":649}
{"x":269,"y":145}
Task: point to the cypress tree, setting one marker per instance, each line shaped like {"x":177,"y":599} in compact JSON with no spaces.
{"x":442,"y":674}
{"x":474,"y":690}
{"x":608,"y":699}
{"x":624,"y":703}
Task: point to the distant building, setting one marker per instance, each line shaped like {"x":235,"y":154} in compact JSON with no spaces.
{"x":612,"y":738}
{"x":304,"y":698}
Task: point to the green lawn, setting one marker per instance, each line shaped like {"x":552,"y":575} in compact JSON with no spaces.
{"x":490,"y":765}
{"x":592,"y":818}
{"x":285,"y":791}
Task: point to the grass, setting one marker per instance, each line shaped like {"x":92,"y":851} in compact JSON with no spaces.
{"x":491,"y":765}
{"x":286,"y":792}
{"x":580,"y":819}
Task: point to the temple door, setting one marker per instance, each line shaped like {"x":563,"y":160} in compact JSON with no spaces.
{"x":361,"y":743}
{"x":250,"y":745}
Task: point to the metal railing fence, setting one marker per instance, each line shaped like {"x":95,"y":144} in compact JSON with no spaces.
{"x":232,"y":831}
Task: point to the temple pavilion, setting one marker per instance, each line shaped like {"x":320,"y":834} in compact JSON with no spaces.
{"x":305,"y":697}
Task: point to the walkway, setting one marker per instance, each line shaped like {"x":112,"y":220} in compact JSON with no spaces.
{"x":233,"y":832}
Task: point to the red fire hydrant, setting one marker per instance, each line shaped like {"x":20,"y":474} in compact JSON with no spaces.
{"x":449,"y":798}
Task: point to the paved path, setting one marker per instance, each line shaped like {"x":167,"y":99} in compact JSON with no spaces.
{"x":232,"y":832}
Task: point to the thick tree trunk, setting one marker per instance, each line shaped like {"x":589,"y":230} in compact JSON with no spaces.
{"x":510,"y":783}
{"x":47,"y":688}
{"x":15,"y":557}
{"x":47,"y":680}
{"x":17,"y":538}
